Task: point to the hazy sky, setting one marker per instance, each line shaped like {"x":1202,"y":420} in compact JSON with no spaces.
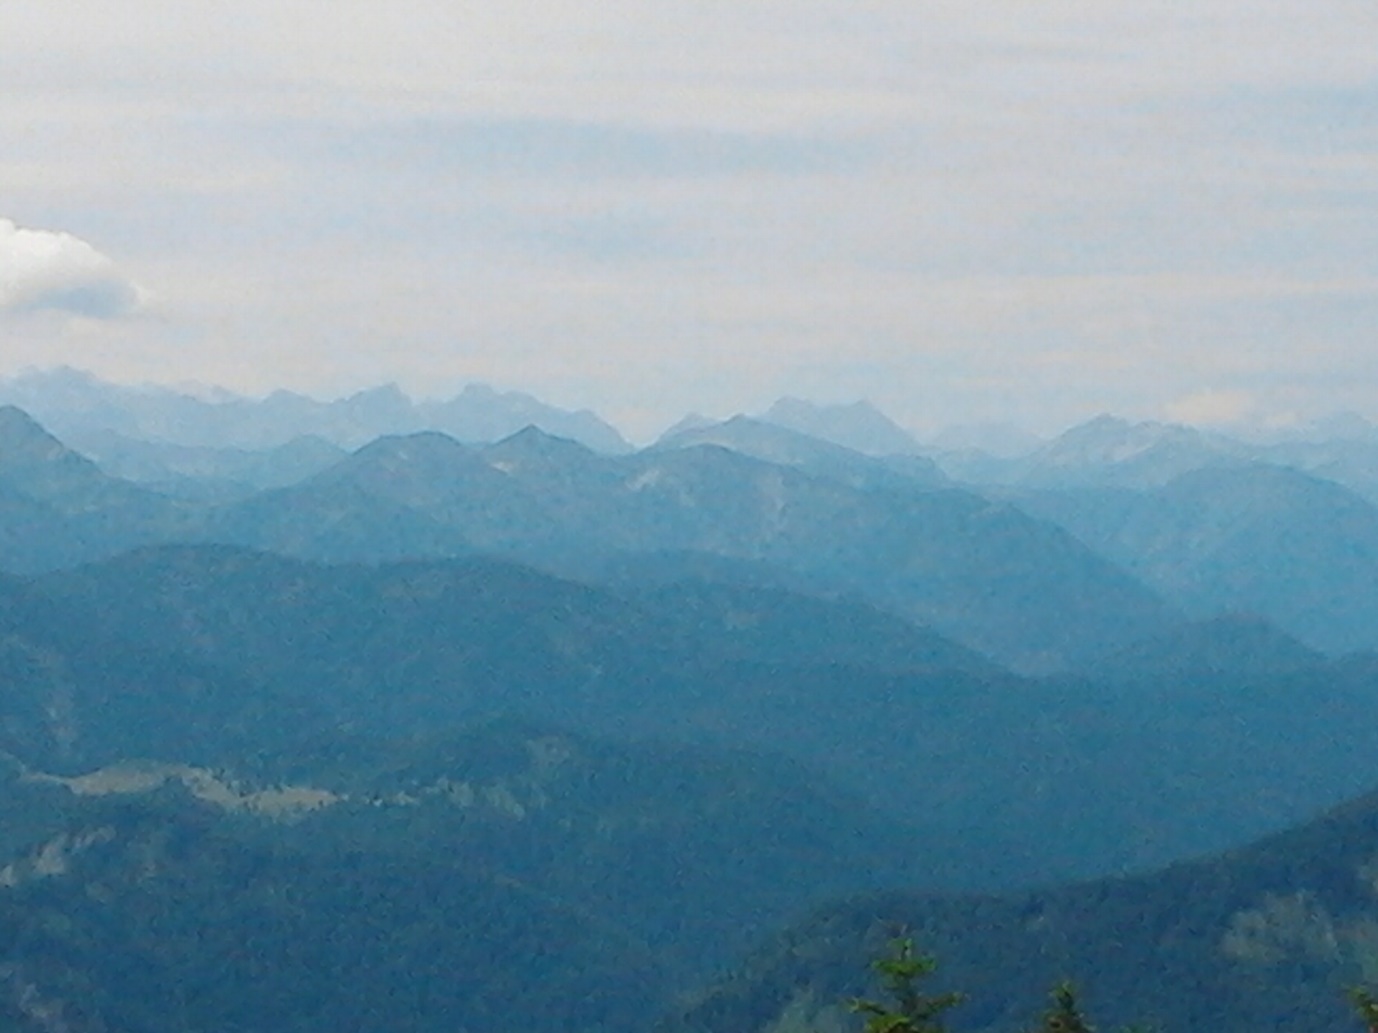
{"x":964,"y":211}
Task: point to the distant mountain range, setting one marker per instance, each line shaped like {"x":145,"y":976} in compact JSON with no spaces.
{"x":1020,"y":589}
{"x":156,"y":434}
{"x":99,"y":417}
{"x":1108,"y":452}
{"x":1106,"y":537}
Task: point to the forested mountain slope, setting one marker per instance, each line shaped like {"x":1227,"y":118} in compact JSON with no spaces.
{"x":1266,"y":937}
{"x":980,"y":760}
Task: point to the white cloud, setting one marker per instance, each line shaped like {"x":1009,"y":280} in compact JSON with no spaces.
{"x":47,"y":270}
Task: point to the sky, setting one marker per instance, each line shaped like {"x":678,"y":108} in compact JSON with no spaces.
{"x":964,"y":212}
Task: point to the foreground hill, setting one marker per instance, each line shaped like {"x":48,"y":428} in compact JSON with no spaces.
{"x":515,"y":877}
{"x":1266,"y":937}
{"x":978,"y":760}
{"x":76,"y":695}
{"x":155,"y":921}
{"x":699,"y":852}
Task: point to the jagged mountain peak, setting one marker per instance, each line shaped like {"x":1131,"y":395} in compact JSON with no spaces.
{"x":426,"y":458}
{"x":758,"y":438}
{"x":733,"y":430}
{"x":1108,"y":438}
{"x":481,"y":413}
{"x":1109,"y":450}
{"x":774,"y":443}
{"x":532,"y":437}
{"x":25,"y":444}
{"x":421,"y":444}
{"x":531,"y":449}
{"x":688,"y":422}
{"x":857,"y":425}
{"x":386,"y":401}
{"x":17,"y":425}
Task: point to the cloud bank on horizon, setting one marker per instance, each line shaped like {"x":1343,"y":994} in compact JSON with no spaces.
{"x":962,"y":211}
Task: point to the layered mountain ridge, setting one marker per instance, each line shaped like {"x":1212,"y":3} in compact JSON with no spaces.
{"x":984,"y":572}
{"x":315,"y":737}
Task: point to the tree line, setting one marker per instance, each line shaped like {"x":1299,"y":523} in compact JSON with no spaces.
{"x":907,"y":1006}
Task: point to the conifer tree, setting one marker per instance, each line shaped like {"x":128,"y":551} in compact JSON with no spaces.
{"x":1065,"y":1015}
{"x":911,"y":1009}
{"x":1367,"y":1006}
